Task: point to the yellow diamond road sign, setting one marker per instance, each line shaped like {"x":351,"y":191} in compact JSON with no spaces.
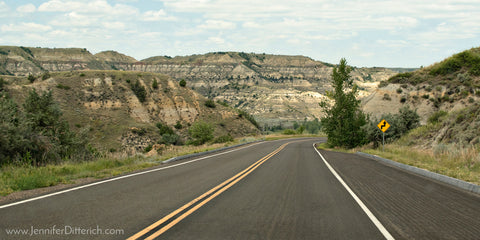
{"x":383,"y":125}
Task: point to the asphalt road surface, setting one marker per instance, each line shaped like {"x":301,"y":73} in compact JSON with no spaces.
{"x":271,"y":190}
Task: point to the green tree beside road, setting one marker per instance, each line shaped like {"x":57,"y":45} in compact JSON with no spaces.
{"x":344,"y":120}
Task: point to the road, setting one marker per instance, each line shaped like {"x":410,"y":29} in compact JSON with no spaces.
{"x":271,"y":190}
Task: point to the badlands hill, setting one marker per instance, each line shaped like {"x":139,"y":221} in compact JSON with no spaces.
{"x":445,"y":94}
{"x":105,"y":104}
{"x":275,"y":89}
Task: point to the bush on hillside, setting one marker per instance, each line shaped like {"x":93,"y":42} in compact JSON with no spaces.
{"x":453,"y":64}
{"x":402,"y":122}
{"x":37,"y":135}
{"x":250,"y":118}
{"x":289,"y":132}
{"x":210,"y":103}
{"x":182,"y":83}
{"x":223,"y":139}
{"x":200,"y":132}
{"x":139,"y":91}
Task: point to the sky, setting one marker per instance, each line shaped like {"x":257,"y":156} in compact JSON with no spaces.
{"x":368,"y":33}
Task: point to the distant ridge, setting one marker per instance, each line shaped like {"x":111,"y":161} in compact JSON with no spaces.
{"x":276,"y":89}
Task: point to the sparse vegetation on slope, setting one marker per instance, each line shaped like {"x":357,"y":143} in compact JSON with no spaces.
{"x":119,"y":109}
{"x":461,"y":69}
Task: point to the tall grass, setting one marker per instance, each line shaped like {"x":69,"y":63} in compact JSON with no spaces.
{"x":15,"y":178}
{"x":448,"y":159}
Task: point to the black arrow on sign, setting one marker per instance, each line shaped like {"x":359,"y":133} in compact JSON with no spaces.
{"x":384,"y":124}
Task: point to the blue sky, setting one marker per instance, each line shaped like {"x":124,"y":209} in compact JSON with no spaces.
{"x":367,"y":33}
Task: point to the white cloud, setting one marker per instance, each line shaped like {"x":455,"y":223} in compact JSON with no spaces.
{"x":393,"y":43}
{"x":28,"y":8}
{"x":217,"y":25}
{"x":251,"y":24}
{"x":216,"y":40}
{"x":114,"y":25}
{"x":309,"y":27}
{"x":3,"y":7}
{"x":25,"y":27}
{"x":74,"y":19}
{"x":89,"y":6}
{"x":159,"y":15}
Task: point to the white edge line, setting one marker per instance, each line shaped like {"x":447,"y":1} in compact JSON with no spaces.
{"x":370,"y":215}
{"x":120,"y":177}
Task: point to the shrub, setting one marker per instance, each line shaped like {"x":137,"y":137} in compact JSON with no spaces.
{"x":148,"y":148}
{"x":210,"y":103}
{"x":178,"y":125}
{"x":37,"y":135}
{"x":46,"y":75}
{"x":223,"y":103}
{"x":301,"y":129}
{"x":399,"y":90}
{"x":155,"y":84}
{"x":139,"y":91}
{"x":289,"y":132}
{"x":401,"y":77}
{"x":164,"y":129}
{"x":139,"y":131}
{"x":183,"y":83}
{"x":387,"y":97}
{"x":31,"y":78}
{"x":201,"y":132}
{"x":2,"y":83}
{"x":170,"y":138}
{"x":436,"y":116}
{"x":223,"y":139}
{"x":64,"y":87}
{"x":249,"y":117}
{"x":403,"y":99}
{"x":402,"y":122}
{"x":382,"y":84}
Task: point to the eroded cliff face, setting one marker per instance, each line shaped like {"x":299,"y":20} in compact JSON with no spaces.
{"x":104,"y":103}
{"x":273,"y":88}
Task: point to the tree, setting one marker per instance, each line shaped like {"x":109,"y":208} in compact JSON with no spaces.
{"x":155,"y":84}
{"x":37,"y":135}
{"x":50,"y":137}
{"x":41,"y":110}
{"x":201,"y":132}
{"x":12,"y":140}
{"x":344,"y":120}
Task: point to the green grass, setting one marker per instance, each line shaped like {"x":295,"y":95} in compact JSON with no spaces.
{"x":451,"y":160}
{"x":17,"y":178}
{"x":14,"y":178}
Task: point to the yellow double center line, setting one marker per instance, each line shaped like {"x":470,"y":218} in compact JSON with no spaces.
{"x":178,"y":215}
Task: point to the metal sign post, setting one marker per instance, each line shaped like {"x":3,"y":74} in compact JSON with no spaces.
{"x":383,"y":126}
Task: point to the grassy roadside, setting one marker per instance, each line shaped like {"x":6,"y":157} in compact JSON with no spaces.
{"x":451,"y":160}
{"x":14,"y":178}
